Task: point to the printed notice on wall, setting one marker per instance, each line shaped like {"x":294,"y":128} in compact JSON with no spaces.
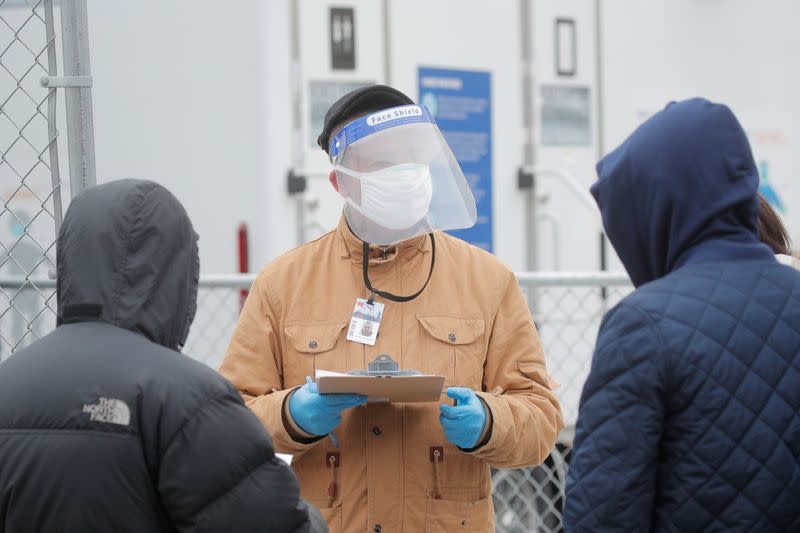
{"x":460,"y":102}
{"x":566,"y":116}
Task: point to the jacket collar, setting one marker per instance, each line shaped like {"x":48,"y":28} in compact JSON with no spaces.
{"x":351,"y":247}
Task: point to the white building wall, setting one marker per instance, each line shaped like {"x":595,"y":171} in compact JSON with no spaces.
{"x":197,"y":94}
{"x":180,"y":97}
{"x":737,"y":52}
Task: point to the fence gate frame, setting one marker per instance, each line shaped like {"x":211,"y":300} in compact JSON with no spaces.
{"x":31,"y":29}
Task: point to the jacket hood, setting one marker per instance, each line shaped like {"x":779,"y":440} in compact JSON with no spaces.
{"x":127,"y":255}
{"x":681,"y":189}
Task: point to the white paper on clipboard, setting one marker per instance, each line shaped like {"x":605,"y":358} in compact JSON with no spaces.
{"x":285,"y":457}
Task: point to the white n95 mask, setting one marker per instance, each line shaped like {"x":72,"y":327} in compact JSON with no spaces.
{"x":419,"y":188}
{"x":395,"y":197}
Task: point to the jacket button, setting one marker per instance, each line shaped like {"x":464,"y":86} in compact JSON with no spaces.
{"x":452,"y":337}
{"x":377,"y":528}
{"x":313,"y":345}
{"x":376,"y":430}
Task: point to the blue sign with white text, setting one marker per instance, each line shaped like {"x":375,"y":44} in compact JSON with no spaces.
{"x":460,"y":102}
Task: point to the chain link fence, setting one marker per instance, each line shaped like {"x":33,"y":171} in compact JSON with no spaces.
{"x":219,"y":302}
{"x":567,"y":309}
{"x":31,"y":188}
{"x":30,"y":184}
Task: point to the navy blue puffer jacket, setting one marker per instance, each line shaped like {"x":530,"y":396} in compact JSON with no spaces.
{"x":690,"y":418}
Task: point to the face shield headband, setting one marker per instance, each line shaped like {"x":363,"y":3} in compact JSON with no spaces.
{"x":377,"y":122}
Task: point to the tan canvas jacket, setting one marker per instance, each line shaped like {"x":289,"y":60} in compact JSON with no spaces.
{"x":471,"y":325}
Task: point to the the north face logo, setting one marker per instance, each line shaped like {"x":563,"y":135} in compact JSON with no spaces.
{"x":109,"y":410}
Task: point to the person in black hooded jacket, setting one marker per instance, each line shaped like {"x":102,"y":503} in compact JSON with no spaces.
{"x":104,"y":425}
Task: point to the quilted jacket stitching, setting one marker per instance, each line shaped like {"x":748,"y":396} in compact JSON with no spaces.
{"x":725,"y":347}
{"x":649,"y":325}
{"x":725,"y":351}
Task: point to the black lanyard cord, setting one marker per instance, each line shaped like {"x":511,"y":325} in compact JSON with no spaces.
{"x":389,"y":295}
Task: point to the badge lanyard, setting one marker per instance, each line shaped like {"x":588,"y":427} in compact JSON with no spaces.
{"x":388,"y":295}
{"x":367,"y":314}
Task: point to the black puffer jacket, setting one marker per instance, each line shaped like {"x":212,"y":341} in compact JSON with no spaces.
{"x":104,"y":425}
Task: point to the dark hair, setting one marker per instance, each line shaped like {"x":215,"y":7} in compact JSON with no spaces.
{"x":771,"y":230}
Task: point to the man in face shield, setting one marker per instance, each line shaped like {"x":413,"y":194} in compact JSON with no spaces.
{"x":437,"y":305}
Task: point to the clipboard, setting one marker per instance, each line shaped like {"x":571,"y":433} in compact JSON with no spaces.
{"x":415,"y":388}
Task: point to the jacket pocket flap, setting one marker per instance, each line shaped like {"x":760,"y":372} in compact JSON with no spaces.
{"x":534,"y":371}
{"x":451,"y":329}
{"x":454,"y":515}
{"x":314,"y":338}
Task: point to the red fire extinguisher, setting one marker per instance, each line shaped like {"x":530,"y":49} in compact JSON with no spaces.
{"x":244,"y":260}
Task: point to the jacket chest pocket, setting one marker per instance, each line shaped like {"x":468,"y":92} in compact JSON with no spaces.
{"x":309,"y":346}
{"x":453,"y":347}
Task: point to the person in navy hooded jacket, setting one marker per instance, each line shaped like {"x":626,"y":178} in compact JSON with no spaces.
{"x":690,"y":417}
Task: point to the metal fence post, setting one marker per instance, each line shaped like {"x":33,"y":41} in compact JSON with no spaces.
{"x":78,"y":95}
{"x":526,"y":14}
{"x":30,"y":182}
{"x":298,"y":156}
{"x":52,"y":129}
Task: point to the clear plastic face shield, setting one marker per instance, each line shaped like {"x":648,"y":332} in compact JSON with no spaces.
{"x":399,"y":177}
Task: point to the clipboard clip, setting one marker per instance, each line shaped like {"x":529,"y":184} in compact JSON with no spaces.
{"x":383,"y":363}
{"x":384,"y":366}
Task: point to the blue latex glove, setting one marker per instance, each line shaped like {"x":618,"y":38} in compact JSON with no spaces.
{"x":463,"y":424}
{"x":319,"y":414}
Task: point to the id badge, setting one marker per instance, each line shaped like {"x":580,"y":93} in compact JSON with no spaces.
{"x":365,"y":322}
